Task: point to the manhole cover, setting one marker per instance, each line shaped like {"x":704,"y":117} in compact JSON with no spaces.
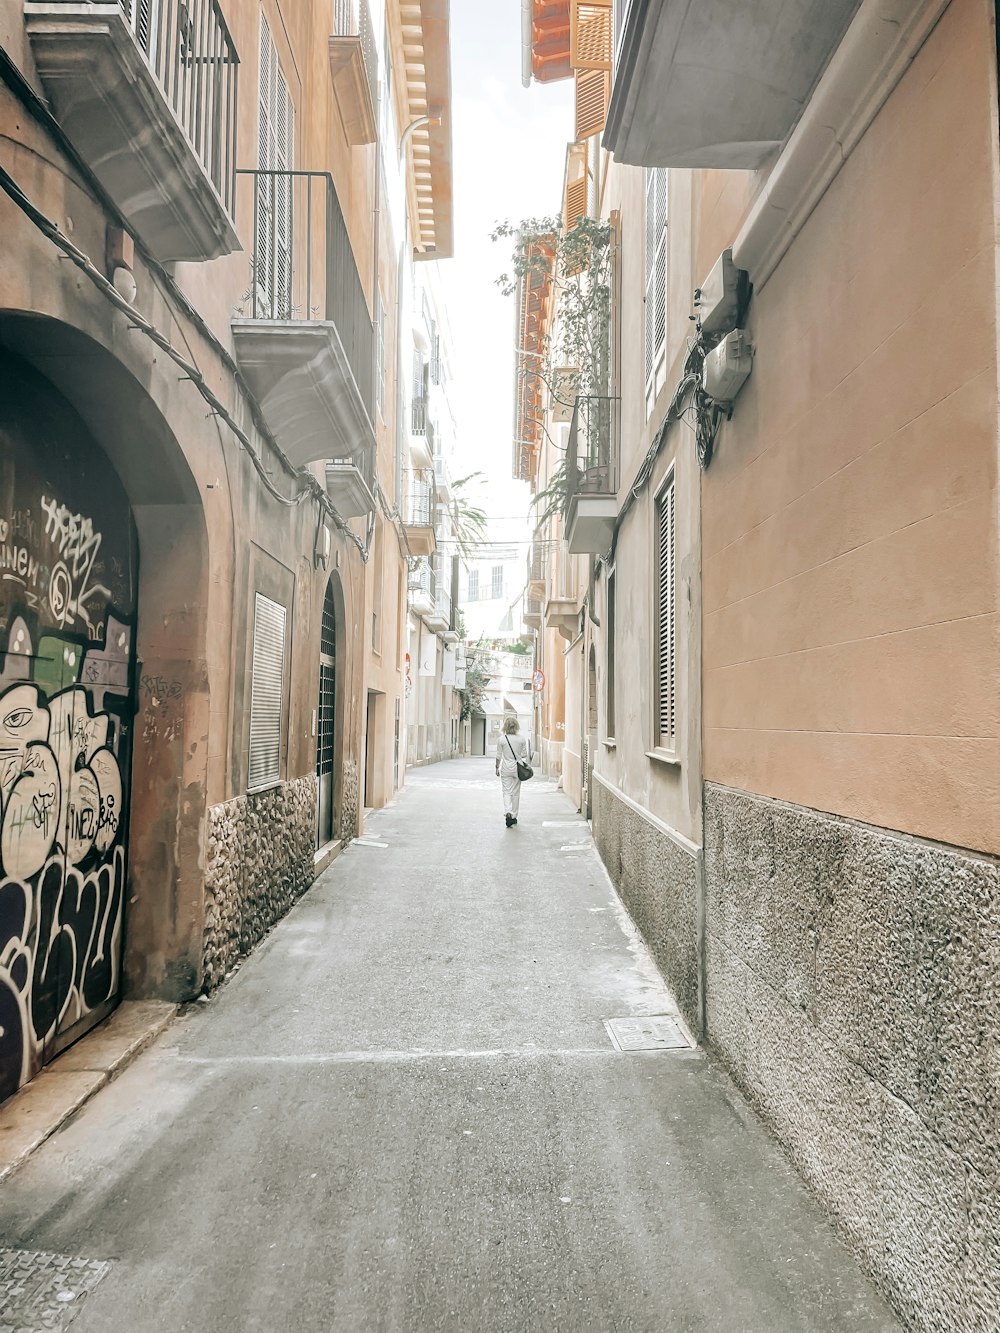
{"x":658,"y":1033}
{"x":42,"y":1292}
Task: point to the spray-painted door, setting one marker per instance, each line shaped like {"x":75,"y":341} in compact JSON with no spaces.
{"x":68,"y":562}
{"x":326,"y":734}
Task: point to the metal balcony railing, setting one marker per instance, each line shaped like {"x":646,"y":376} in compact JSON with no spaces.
{"x":419,"y":420}
{"x":420,"y":581}
{"x":351,"y":18}
{"x":421,"y":495}
{"x":442,"y":600}
{"x":592,"y":452}
{"x":187,"y":45}
{"x":303,"y":266}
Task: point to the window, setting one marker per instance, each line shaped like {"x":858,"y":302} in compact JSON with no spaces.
{"x":666,"y":639}
{"x":380,"y":353}
{"x":473,"y":585}
{"x":609,"y":679}
{"x":497,"y":581}
{"x":266,"y":683}
{"x":273,"y":223}
{"x":655,"y":296}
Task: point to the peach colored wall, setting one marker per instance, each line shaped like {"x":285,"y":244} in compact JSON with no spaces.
{"x":849,"y":520}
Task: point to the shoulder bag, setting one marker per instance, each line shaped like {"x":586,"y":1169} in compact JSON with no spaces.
{"x":524,"y":771}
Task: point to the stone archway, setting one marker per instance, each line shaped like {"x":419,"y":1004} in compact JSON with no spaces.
{"x":167,"y":805}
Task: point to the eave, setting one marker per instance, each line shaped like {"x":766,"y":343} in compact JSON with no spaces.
{"x":427,"y":61}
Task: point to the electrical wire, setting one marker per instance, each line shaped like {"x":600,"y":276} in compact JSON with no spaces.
{"x":310,"y":487}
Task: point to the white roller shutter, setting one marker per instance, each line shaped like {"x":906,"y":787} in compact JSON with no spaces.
{"x":267,"y":680}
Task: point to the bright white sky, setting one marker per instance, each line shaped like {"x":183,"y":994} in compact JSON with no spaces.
{"x":509,"y":146}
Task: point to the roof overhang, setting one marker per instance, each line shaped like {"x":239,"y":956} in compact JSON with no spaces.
{"x":426,"y":39}
{"x":717,"y":83}
{"x":550,"y":40}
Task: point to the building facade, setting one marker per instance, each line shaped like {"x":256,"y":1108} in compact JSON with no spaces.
{"x":787,"y":584}
{"x":206,"y":210}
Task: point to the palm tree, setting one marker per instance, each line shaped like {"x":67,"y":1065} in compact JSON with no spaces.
{"x":469,"y":522}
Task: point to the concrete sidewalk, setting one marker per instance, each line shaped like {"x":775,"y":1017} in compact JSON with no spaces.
{"x":405,"y":1113}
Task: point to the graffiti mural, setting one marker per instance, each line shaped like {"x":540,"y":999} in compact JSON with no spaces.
{"x":67,"y":612}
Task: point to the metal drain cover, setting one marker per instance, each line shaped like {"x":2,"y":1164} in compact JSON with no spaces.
{"x":654,"y":1033}
{"x":40,"y":1293}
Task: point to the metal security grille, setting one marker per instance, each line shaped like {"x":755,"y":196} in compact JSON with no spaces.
{"x":656,"y":271}
{"x":266,"y":691}
{"x":666,"y":644}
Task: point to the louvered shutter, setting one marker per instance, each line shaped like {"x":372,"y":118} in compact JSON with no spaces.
{"x":275,"y":136}
{"x":139,"y":14}
{"x":656,"y":268}
{"x":666,"y":639}
{"x":593,"y":92}
{"x":590,"y":34}
{"x":266,"y":682}
{"x":576,"y":202}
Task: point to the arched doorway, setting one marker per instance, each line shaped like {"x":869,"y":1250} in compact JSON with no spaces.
{"x":68,"y":617}
{"x":327,"y":720}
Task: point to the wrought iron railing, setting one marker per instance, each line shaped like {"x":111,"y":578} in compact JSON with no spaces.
{"x":351,"y":18}
{"x":420,"y":497}
{"x":187,"y":45}
{"x":420,"y":581}
{"x":303,"y":266}
{"x":592,"y":452}
{"x":419,"y":420}
{"x":442,"y":598}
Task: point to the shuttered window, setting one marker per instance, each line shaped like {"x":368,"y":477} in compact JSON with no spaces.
{"x":666,"y":620}
{"x":497,"y":588}
{"x":266,"y":683}
{"x":590,"y":34}
{"x":593,"y":93}
{"x":380,"y":353}
{"x":275,"y":138}
{"x":473,"y":585}
{"x":655,"y":295}
{"x":609,"y":678}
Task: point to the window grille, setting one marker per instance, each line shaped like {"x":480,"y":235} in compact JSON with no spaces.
{"x":666,"y":625}
{"x":655,"y":296}
{"x":267,"y":680}
{"x":275,"y":140}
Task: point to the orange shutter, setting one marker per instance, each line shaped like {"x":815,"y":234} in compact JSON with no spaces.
{"x":590,"y":34}
{"x":593,"y":92}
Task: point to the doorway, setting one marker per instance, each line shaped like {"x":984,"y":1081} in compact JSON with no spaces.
{"x":478,"y":734}
{"x":326,"y":720}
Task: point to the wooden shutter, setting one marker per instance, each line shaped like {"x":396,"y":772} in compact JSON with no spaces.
{"x":609,"y":678}
{"x":593,"y":93}
{"x":266,"y":682}
{"x":666,"y":640}
{"x":590,"y":34}
{"x":656,"y":268}
{"x":275,"y":138}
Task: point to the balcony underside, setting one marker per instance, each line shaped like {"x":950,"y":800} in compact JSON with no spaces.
{"x":348,"y":490}
{"x":438,"y":622}
{"x":590,"y":523}
{"x":114,"y":111}
{"x":563,"y":614}
{"x":352,"y":89}
{"x":717,"y":83}
{"x":299,"y":372}
{"x":420,"y":538}
{"x":533,"y":618}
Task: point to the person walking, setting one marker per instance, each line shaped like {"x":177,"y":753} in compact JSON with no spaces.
{"x":512,"y":749}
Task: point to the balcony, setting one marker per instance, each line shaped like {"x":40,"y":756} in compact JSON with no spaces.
{"x":538,"y":560}
{"x":439,"y":617}
{"x":716,"y":83}
{"x":147,"y":95}
{"x":354,"y":69}
{"x":562,"y":595}
{"x":532,"y":611}
{"x":418,"y":511}
{"x":592,"y":476}
{"x":303,"y":335}
{"x":350,"y":484}
{"x":421,"y":587}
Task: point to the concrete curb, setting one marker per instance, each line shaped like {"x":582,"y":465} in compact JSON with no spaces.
{"x":45,"y":1104}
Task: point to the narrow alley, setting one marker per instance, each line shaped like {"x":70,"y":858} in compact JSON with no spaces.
{"x":404,"y":1112}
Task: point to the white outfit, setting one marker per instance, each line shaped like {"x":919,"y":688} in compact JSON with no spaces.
{"x":508,"y":756}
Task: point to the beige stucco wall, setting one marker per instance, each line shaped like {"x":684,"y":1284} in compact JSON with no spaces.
{"x":850,"y":538}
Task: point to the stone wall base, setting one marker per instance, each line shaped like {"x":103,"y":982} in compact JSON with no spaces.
{"x":261,"y":859}
{"x":853,"y":990}
{"x":656,"y":877}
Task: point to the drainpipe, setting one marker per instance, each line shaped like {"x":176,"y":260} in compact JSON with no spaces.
{"x":526,"y":34}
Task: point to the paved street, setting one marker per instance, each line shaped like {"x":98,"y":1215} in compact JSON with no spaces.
{"x":404,"y":1113}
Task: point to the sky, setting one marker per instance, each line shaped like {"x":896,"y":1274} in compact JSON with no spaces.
{"x":509,"y":147}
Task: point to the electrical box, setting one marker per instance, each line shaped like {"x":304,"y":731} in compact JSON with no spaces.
{"x":720,"y":298}
{"x":728,"y":366}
